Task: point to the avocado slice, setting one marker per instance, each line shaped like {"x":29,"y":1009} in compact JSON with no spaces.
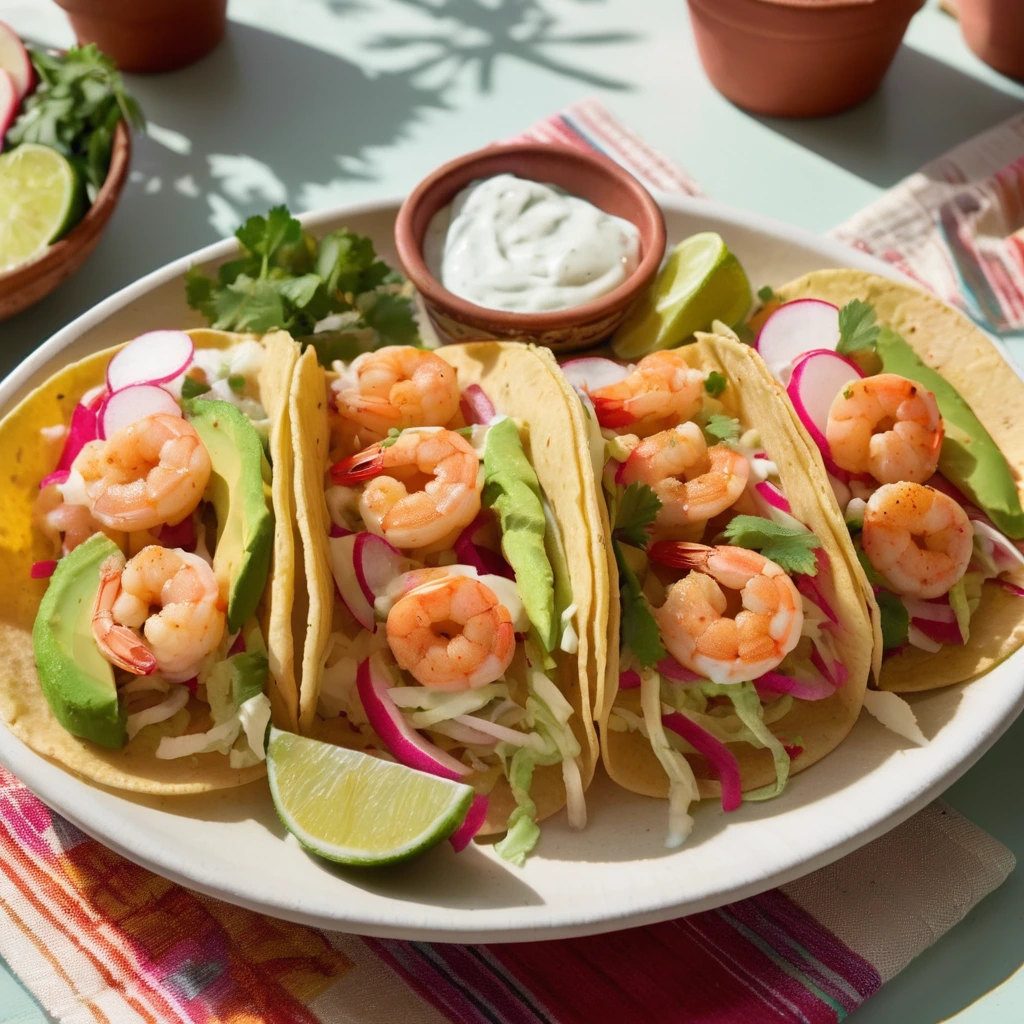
{"x":969,"y":459}
{"x":239,"y":490}
{"x":77,"y":681}
{"x":512,"y":489}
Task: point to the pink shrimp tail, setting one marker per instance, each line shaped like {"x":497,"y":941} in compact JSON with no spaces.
{"x":680,"y":554}
{"x":118,"y":644}
{"x":361,"y":466}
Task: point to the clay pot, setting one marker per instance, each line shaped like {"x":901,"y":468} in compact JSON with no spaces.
{"x":149,"y":36}
{"x":994,"y":30}
{"x":799,"y":58}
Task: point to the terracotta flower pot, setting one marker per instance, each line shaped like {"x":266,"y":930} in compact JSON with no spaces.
{"x":994,"y":30}
{"x":149,"y":36}
{"x":799,"y":58}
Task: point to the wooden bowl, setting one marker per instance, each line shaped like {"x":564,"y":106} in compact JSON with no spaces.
{"x":590,"y":176}
{"x":24,"y":285}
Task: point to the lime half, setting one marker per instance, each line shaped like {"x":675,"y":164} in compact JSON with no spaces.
{"x":700,"y":282}
{"x":40,"y":198}
{"x":356,"y":809}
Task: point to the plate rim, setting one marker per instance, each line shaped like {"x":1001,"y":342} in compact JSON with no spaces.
{"x":34,"y":770}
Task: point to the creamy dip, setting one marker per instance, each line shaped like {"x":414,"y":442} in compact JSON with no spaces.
{"x":525,"y":247}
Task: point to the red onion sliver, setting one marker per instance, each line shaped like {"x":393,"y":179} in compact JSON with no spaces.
{"x":629,"y":679}
{"x":84,"y":427}
{"x":237,"y":646}
{"x":181,"y":535}
{"x":719,"y":756}
{"x":940,"y":632}
{"x":471,"y":824}
{"x":476,"y":406}
{"x":776,"y":682}
{"x":773,"y":496}
{"x":671,"y":669}
{"x":339,"y":531}
{"x":1012,"y":588}
{"x":43,"y":570}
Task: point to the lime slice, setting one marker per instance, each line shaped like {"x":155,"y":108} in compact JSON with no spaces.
{"x":40,"y":198}
{"x":700,"y":282}
{"x":356,"y":809}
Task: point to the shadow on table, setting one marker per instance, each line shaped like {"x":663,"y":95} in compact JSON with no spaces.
{"x":923,"y":108}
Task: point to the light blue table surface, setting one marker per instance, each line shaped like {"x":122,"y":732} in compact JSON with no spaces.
{"x":322,"y":102}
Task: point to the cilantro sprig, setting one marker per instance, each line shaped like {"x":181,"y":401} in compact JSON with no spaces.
{"x":791,"y":548}
{"x":636,"y":510}
{"x":715,"y":383}
{"x":640,"y":633}
{"x":857,"y":328}
{"x":724,"y":428}
{"x":286,"y":279}
{"x":75,"y":109}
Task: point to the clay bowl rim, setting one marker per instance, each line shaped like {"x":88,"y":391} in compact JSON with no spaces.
{"x":441,"y":186}
{"x":87,"y":230}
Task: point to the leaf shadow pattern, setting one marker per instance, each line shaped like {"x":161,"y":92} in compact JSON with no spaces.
{"x":473,"y":35}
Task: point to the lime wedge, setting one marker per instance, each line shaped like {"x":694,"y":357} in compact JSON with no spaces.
{"x":700,"y":282}
{"x":40,"y":198}
{"x":356,"y":809}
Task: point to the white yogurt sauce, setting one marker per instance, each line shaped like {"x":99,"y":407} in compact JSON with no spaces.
{"x":524,"y":247}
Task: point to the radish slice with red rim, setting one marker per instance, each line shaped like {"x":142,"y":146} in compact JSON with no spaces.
{"x":9,"y":102}
{"x":152,"y":358}
{"x":817,"y":378}
{"x":386,"y":719}
{"x":129,"y":405}
{"x":593,"y":372}
{"x":795,"y":328}
{"x":471,"y":824}
{"x":14,"y":59}
{"x":376,"y":564}
{"x":343,"y":566}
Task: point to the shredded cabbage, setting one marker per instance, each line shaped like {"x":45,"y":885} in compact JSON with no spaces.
{"x":682,"y":785}
{"x":176,"y":699}
{"x":961,"y":609}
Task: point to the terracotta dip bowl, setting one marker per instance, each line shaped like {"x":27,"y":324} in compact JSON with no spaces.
{"x":27,"y":283}
{"x":592,"y":177}
{"x":798,"y":58}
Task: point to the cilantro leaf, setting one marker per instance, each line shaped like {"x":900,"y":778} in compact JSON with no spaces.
{"x":640,"y":633}
{"x":637,"y":509}
{"x":873,"y":575}
{"x":895,"y":619}
{"x":199,"y":292}
{"x":792,"y":549}
{"x":715,"y":383}
{"x":766,"y":293}
{"x":392,"y":317}
{"x":725,"y":428}
{"x":192,"y":388}
{"x":857,"y":327}
{"x":248,"y":304}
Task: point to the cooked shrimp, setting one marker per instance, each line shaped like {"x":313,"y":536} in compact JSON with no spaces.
{"x":693,"y":623}
{"x":153,"y":471}
{"x":451,"y":633}
{"x":918,"y":538}
{"x":431,"y":489}
{"x":693,"y":482}
{"x":396,"y":387}
{"x":661,"y":390}
{"x":188,"y":624}
{"x":887,"y":426}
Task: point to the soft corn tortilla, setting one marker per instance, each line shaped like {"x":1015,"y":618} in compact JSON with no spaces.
{"x":22,"y":705}
{"x":949,"y":342}
{"x":758,"y":400}
{"x":522,"y":382}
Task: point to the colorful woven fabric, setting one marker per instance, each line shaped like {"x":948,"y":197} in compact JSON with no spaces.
{"x":97,"y":938}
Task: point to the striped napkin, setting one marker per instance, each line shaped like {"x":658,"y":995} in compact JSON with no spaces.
{"x":97,"y":938}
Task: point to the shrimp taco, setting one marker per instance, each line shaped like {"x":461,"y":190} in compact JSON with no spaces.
{"x":917,"y":416}
{"x":451,"y":593}
{"x":739,"y":648}
{"x":148,"y":548}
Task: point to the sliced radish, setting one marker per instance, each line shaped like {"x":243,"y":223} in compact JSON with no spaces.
{"x":152,"y":358}
{"x":773,"y":496}
{"x":14,"y":59}
{"x":344,"y":568}
{"x":795,"y":328}
{"x":817,"y":378}
{"x":132,"y":404}
{"x":408,"y":747}
{"x":9,"y":102}
{"x":476,"y":406}
{"x":592,"y":372}
{"x":472,"y":823}
{"x":377,"y":563}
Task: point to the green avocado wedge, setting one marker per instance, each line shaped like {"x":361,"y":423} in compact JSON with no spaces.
{"x":239,"y":490}
{"x":77,"y":681}
{"x":970,"y":458}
